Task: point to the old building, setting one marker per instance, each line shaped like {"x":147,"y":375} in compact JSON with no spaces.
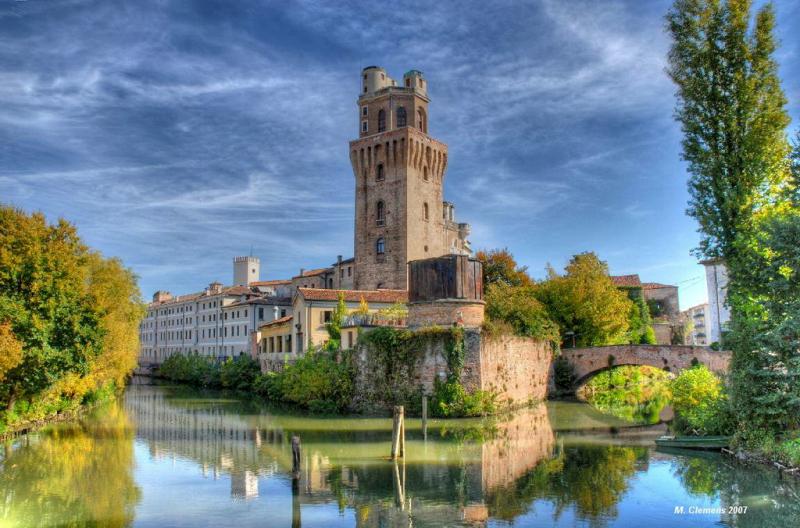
{"x":662,"y":303}
{"x":718,"y":312}
{"x":698,"y":315}
{"x":399,"y":169}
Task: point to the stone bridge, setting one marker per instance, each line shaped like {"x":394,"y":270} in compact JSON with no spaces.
{"x":589,"y":361}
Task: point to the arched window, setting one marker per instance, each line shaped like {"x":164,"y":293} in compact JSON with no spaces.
{"x":379,"y":172}
{"x":425,"y":173}
{"x":425,"y":210}
{"x":380,"y":213}
{"x":380,"y":246}
{"x":421,"y":121}
{"x":381,"y":120}
{"x":401,"y":116}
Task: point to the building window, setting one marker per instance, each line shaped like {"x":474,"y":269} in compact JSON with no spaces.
{"x":381,"y":218}
{"x":363,"y":126}
{"x":379,"y":174}
{"x":260,"y":314}
{"x":421,"y":121}
{"x":401,"y":117}
{"x":327,"y":316}
{"x":381,"y":120}
{"x":380,"y":246}
{"x":425,"y":211}
{"x":364,"y":110}
{"x":425,"y":173}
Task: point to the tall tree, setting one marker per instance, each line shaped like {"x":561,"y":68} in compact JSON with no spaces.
{"x":586,"y":304}
{"x":732,"y":111}
{"x":500,"y":267}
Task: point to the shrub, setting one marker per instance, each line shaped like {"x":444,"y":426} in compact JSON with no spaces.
{"x":451,"y":400}
{"x":195,"y":370}
{"x":700,"y":403}
{"x":317,"y":381}
{"x":239,"y":373}
{"x":517,"y":308}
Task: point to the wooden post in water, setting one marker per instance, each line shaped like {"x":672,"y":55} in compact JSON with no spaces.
{"x":295,"y":456}
{"x":398,"y":433}
{"x":424,"y":417}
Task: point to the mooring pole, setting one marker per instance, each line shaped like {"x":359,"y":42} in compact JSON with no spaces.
{"x":398,"y":433}
{"x":295,"y":456}
{"x":424,"y":417}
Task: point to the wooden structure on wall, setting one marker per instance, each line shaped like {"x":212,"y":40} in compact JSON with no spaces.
{"x":448,"y":277}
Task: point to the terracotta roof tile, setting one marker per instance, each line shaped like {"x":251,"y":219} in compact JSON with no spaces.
{"x":312,"y":273}
{"x":278,"y":282}
{"x":630,"y":281}
{"x":279,"y":321}
{"x":655,"y":286}
{"x":375,"y":296}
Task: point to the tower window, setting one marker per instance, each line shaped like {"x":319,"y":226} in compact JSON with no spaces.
{"x":401,"y":116}
{"x":425,"y":173}
{"x":425,"y":210}
{"x":380,"y":246}
{"x":421,"y":121}
{"x":364,"y":111}
{"x":379,"y":174}
{"x":381,"y":120}
{"x":380,"y":214}
{"x":363,"y":126}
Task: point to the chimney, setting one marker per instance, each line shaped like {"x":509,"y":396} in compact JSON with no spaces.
{"x":275,"y":312}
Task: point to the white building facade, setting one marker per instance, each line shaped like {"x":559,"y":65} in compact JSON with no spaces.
{"x":718,"y":313}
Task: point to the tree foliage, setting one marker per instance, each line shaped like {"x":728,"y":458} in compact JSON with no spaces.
{"x":585,"y":302}
{"x":500,"y":267}
{"x":518,"y":308}
{"x":732,"y":111}
{"x":75,"y":313}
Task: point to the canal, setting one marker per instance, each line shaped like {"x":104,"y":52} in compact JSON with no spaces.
{"x":165,"y":456}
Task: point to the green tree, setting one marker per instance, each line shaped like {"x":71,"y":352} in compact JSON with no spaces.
{"x":518,"y":309}
{"x":586,"y":303}
{"x":500,"y":267}
{"x":75,"y":313}
{"x":10,"y":350}
{"x":334,"y":327}
{"x":732,"y":111}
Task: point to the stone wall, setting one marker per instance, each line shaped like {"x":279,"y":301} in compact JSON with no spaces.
{"x":516,"y":369}
{"x":445,"y":312}
{"x":587,"y":361}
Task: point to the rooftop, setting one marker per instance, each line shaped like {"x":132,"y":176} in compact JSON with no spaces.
{"x":279,"y":321}
{"x":374,"y":296}
{"x":626,"y":281}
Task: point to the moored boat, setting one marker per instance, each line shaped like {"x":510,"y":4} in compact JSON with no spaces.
{"x":694,"y":442}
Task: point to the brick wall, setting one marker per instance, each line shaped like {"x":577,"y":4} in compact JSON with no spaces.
{"x":445,"y":312}
{"x":516,"y":369}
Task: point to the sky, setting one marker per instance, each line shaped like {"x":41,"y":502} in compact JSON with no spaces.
{"x":178,"y":134}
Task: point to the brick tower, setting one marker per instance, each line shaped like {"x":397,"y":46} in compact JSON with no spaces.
{"x":399,"y":171}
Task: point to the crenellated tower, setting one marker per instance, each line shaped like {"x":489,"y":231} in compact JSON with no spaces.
{"x":399,"y":171}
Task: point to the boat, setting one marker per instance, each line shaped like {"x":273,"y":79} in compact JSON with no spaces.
{"x":694,"y":442}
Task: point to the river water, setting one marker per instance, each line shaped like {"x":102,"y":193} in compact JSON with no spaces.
{"x":166,"y":456}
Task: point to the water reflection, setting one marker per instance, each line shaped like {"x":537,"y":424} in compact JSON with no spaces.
{"x":170,"y":456}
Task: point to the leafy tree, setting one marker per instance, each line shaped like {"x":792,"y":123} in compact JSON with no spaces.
{"x":520,"y":310}
{"x":334,"y":327}
{"x":732,"y":111}
{"x":641,"y":331}
{"x":10,"y":350}
{"x":585,"y":302}
{"x":75,"y":313}
{"x":499,"y":267}
{"x":700,"y":402}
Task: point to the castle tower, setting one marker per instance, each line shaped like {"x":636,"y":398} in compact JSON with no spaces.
{"x":246,"y":270}
{"x":399,"y":172}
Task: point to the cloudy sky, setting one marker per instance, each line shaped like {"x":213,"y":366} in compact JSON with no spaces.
{"x":178,"y":134}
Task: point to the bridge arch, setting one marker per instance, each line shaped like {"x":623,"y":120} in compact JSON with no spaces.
{"x":587,"y":362}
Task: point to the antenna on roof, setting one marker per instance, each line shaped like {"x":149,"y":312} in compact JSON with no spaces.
{"x":251,"y":250}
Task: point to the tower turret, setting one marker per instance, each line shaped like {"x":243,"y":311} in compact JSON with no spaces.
{"x":399,"y":173}
{"x":246,"y":270}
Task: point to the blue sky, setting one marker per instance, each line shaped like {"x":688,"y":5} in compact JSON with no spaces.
{"x":178,"y":134}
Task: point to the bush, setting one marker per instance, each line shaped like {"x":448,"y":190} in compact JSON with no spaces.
{"x":200,"y":371}
{"x":317,"y":381}
{"x":700,"y":403}
{"x":239,"y":373}
{"x":451,"y":400}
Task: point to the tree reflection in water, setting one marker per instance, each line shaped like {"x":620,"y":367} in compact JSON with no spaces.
{"x":72,"y":475}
